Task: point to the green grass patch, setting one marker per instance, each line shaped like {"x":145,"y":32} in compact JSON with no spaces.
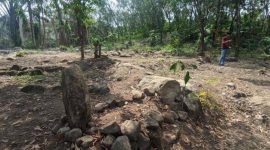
{"x":212,"y":81}
{"x":27,"y":78}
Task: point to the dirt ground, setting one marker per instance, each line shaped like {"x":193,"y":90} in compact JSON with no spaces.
{"x":239,"y":123}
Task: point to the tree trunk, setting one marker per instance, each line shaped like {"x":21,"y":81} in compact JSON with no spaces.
{"x":62,"y":38}
{"x":238,"y":19}
{"x":216,"y":25}
{"x":14,"y":24}
{"x":31,"y":23}
{"x":21,"y":31}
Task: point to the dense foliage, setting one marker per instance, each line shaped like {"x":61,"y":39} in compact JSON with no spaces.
{"x":168,"y":23}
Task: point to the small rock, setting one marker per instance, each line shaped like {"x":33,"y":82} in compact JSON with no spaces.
{"x":155,"y":138}
{"x":73,"y":134}
{"x":85,"y":141}
{"x":169,"y":117}
{"x":182,"y":115}
{"x":35,"y":72}
{"x":144,"y":142}
{"x":108,"y":140}
{"x":171,"y":137}
{"x":100,"y":107}
{"x":131,"y":129}
{"x":56,"y":128}
{"x":151,"y":123}
{"x":231,"y":85}
{"x":239,"y":95}
{"x":10,"y":59}
{"x":16,"y":68}
{"x":121,"y":143}
{"x":110,"y":128}
{"x":193,"y":106}
{"x":137,"y":95}
{"x":99,"y":89}
{"x":155,"y":115}
{"x":62,"y":131}
{"x":92,"y":130}
{"x":33,"y":89}
{"x":112,"y":103}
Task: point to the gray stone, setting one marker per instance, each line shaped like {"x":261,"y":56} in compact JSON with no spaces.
{"x":171,"y":137}
{"x":143,"y":142}
{"x":35,"y":89}
{"x":239,"y":95}
{"x":121,"y":143}
{"x":167,"y":88}
{"x":73,"y":134}
{"x":110,"y":128}
{"x":62,"y":131}
{"x":155,"y":115}
{"x":100,"y":107}
{"x":231,"y":85}
{"x":99,"y":89}
{"x":131,"y":129}
{"x":137,"y":95}
{"x":16,"y":67}
{"x":75,"y":97}
{"x":193,"y":106}
{"x":85,"y":141}
{"x":108,"y":140}
{"x":182,"y":115}
{"x":150,"y":123}
{"x":56,"y":128}
{"x":169,"y":117}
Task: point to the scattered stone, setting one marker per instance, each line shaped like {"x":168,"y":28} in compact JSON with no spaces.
{"x":144,"y":142}
{"x":108,"y":140}
{"x":92,"y":130}
{"x":16,"y":68}
{"x":100,"y":107}
{"x":231,"y":85}
{"x":155,"y":115}
{"x":75,"y":97}
{"x":98,"y":89}
{"x":35,"y":89}
{"x":56,"y":128}
{"x":151,"y":123}
{"x":182,"y":115}
{"x":110,"y":128}
{"x":169,"y":117}
{"x":11,"y":59}
{"x":85,"y":141}
{"x":155,"y":138}
{"x":62,"y":131}
{"x":131,"y":129}
{"x":193,"y":106}
{"x":167,"y":88}
{"x":112,"y":103}
{"x":137,"y":95}
{"x":171,"y":136}
{"x":73,"y":134}
{"x":239,"y":95}
{"x":121,"y":143}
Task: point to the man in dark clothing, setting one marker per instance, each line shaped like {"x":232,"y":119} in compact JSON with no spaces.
{"x":225,"y":41}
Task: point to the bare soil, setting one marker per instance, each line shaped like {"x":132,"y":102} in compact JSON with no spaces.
{"x":26,"y":120}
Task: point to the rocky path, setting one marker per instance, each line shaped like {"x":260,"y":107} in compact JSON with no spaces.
{"x":240,"y":90}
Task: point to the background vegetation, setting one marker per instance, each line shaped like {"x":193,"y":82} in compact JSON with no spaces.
{"x":172,"y":25}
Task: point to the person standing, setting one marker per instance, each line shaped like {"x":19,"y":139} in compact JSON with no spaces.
{"x":225,"y":42}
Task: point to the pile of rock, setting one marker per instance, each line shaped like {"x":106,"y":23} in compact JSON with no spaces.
{"x":143,"y":133}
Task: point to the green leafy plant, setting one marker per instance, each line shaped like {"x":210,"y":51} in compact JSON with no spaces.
{"x":181,"y":66}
